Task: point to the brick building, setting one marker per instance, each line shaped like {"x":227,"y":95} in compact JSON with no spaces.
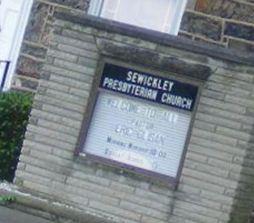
{"x":66,"y":58}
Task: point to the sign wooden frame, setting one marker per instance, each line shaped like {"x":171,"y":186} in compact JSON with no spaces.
{"x":90,"y":109}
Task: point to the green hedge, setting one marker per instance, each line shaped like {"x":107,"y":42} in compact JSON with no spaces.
{"x":14,"y":112}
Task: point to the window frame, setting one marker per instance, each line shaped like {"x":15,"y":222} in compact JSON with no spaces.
{"x":97,"y":5}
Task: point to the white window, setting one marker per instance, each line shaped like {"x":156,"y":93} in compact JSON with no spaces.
{"x":13,"y":19}
{"x":160,"y":15}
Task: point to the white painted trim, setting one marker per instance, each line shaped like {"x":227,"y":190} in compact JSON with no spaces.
{"x":166,"y":26}
{"x":178,"y":14}
{"x":17,"y":41}
{"x":95,"y":7}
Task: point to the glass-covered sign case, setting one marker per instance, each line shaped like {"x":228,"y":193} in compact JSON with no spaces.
{"x":140,"y":121}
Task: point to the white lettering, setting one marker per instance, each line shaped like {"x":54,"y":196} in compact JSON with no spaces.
{"x":177,"y":101}
{"x":129,"y":75}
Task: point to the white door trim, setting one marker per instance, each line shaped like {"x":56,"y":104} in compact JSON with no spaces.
{"x":17,"y":41}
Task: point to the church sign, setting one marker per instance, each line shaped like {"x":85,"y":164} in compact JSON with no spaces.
{"x":140,"y":121}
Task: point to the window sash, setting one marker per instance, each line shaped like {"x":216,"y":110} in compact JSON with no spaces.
{"x":171,"y":22}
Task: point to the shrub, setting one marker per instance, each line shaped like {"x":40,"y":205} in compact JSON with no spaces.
{"x":14,"y":111}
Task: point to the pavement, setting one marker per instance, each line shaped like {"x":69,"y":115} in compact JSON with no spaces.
{"x":13,"y":216}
